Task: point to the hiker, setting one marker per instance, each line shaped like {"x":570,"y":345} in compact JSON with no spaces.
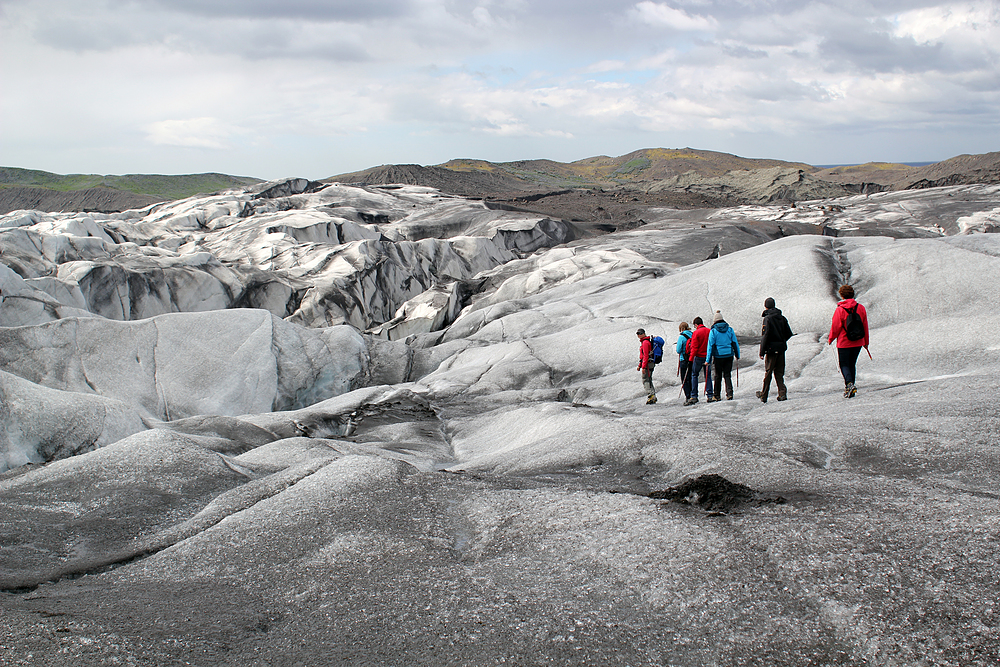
{"x":850,"y":330}
{"x":722,"y":349}
{"x":696,"y":350}
{"x":774,"y":334}
{"x":646,"y":365}
{"x":683,"y":363}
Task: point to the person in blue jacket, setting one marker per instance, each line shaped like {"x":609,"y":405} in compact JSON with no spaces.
{"x":723,"y":348}
{"x":683,"y":363}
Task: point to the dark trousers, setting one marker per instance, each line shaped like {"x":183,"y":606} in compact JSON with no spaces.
{"x":848,"y":358}
{"x":697,"y":364}
{"x":684,"y":368}
{"x":722,"y":369}
{"x":774,"y":365}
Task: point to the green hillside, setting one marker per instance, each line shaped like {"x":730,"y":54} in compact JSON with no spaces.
{"x":155,"y":185}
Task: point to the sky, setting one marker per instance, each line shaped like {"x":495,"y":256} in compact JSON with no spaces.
{"x":315,"y":88}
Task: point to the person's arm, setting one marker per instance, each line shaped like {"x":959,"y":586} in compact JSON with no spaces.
{"x":834,"y":327}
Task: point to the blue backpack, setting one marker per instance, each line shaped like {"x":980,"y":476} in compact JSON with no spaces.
{"x":656,"y":354}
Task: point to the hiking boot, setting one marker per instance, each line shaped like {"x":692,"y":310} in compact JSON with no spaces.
{"x":849,"y":390}
{"x":782,"y":397}
{"x":729,"y":397}
{"x":651,"y":399}
{"x":713,"y":399}
{"x":762,"y":396}
{"x":691,"y":401}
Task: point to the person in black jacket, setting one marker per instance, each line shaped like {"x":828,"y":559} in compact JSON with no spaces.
{"x":774,"y":333}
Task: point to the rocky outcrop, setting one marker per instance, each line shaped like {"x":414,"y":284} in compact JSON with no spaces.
{"x":759,"y":186}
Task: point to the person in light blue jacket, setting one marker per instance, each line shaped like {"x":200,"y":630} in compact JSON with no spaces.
{"x":683,"y":363}
{"x":723,"y":348}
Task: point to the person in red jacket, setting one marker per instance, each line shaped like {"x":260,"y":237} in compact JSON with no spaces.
{"x":646,"y":365}
{"x":697,"y":350}
{"x":850,"y":339}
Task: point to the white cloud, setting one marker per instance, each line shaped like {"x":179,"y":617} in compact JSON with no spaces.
{"x":191,"y":133}
{"x":606,"y":66}
{"x":977,"y":20}
{"x":420,"y":77}
{"x":662,"y":15}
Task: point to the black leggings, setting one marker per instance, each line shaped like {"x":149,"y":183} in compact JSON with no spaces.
{"x":722,"y":369}
{"x":848,"y":357}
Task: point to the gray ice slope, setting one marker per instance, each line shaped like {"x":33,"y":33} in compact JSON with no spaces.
{"x":484,"y":498}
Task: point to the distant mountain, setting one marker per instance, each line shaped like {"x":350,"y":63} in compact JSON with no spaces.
{"x":960,"y":170}
{"x":475,"y":181}
{"x":607,"y":191}
{"x":616,"y":191}
{"x":648,"y":164}
{"x":45,"y":191}
{"x":601,"y":190}
{"x":482,"y":178}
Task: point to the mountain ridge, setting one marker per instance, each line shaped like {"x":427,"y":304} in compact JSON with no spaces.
{"x":617,"y":191}
{"x":594,"y":189}
{"x":34,"y":189}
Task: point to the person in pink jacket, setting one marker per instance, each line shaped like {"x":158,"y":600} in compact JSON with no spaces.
{"x":646,"y":365}
{"x":850,"y":330}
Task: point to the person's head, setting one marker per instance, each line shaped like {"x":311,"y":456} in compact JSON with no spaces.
{"x":769,"y":302}
{"x":718,"y":317}
{"x":683,"y":326}
{"x":697,"y":321}
{"x":640,"y":333}
{"x":846,"y":292}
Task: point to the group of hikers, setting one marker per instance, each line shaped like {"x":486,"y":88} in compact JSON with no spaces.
{"x":715,"y":349}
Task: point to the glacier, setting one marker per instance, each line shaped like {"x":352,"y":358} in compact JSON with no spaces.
{"x":305,"y":423}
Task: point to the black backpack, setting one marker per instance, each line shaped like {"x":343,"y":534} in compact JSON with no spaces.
{"x":854,"y":326}
{"x":782,"y":328}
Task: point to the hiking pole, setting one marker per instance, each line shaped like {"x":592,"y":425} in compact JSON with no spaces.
{"x":684,"y":380}
{"x":737,"y":373}
{"x":869,"y":354}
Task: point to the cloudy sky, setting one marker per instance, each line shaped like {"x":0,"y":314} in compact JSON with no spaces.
{"x":314,"y":88}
